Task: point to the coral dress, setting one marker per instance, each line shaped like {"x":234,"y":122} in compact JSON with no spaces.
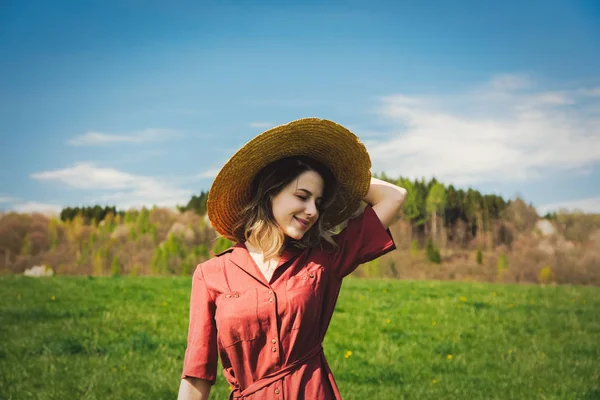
{"x":269,"y":334}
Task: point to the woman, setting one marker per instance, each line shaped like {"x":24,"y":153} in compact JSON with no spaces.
{"x":264,"y":305}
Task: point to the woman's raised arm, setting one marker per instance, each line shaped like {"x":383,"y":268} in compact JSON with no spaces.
{"x":386,"y":200}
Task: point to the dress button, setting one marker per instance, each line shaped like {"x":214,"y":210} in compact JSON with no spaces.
{"x":304,"y":278}
{"x":273,"y":341}
{"x":270,"y":292}
{"x":274,"y":349}
{"x":271,"y":300}
{"x":236,"y":295}
{"x":276,"y":391}
{"x":311,"y":275}
{"x":228,"y":296}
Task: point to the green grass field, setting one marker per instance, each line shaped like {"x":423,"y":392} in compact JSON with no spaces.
{"x":124,"y":338}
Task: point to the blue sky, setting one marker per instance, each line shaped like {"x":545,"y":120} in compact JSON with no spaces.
{"x":137,"y":103}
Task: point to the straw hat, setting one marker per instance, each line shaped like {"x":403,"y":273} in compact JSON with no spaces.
{"x":330,"y":143}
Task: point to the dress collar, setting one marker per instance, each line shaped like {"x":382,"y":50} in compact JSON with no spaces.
{"x":242,"y":258}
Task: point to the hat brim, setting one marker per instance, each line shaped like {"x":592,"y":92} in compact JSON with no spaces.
{"x":331,"y":144}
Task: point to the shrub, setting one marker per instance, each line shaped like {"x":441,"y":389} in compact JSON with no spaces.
{"x":546,"y":275}
{"x":433,"y":254}
{"x":479,"y":257}
{"x":115,"y":267}
{"x":501,"y":266}
{"x":414,"y":248}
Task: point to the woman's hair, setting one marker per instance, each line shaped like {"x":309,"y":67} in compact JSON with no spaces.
{"x":257,"y":223}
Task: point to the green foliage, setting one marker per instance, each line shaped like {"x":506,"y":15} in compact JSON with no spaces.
{"x":135,"y":271}
{"x":160,"y":263}
{"x":546,"y":275}
{"x":115,"y":267}
{"x":196,"y":204}
{"x":432,"y":252}
{"x":501,"y":266}
{"x":479,"y":257}
{"x":143,"y":221}
{"x":53,"y":232}
{"x":27,"y":246}
{"x":153,"y":233}
{"x":95,"y":213}
{"x":132,"y":233}
{"x":372,"y":268}
{"x":502,"y":262}
{"x":221,"y":244}
{"x":414,"y":248}
{"x":93,"y":238}
{"x":169,"y":256}
{"x":99,"y":263}
{"x":436,"y":199}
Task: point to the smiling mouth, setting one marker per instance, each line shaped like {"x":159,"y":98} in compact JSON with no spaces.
{"x":302,"y":224}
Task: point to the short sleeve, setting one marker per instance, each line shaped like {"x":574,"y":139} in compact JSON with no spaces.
{"x":201,"y":353}
{"x":362,"y":240}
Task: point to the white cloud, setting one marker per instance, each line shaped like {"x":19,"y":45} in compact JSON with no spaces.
{"x":121,"y":188}
{"x":593,"y":92}
{"x":587,"y":205}
{"x":211,"y":173}
{"x":102,"y":139}
{"x":34,"y":206}
{"x":6,"y":199}
{"x":261,"y":125}
{"x":509,"y":82}
{"x":496,"y":132}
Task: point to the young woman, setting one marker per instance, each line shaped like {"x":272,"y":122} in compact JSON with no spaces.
{"x":265,"y":304}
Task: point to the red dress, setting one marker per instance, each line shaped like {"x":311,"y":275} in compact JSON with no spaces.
{"x":269,"y":334}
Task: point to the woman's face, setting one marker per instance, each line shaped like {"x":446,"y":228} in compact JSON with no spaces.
{"x":295,"y":207}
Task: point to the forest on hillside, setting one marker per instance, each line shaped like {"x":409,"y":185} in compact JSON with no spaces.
{"x":441,"y":233}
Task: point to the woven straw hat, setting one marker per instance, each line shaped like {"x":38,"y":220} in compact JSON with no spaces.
{"x":331,"y":144}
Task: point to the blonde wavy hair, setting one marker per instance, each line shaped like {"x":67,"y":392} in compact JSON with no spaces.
{"x":257,"y":223}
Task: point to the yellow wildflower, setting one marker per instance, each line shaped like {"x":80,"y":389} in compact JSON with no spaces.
{"x":348,"y":354}
{"x":53,"y":297}
{"x":463,"y":298}
{"x":387,"y":321}
{"x":449,"y":356}
{"x":433,"y":381}
{"x":433,"y":323}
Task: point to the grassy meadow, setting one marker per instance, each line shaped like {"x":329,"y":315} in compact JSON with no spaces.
{"x":124,"y":338}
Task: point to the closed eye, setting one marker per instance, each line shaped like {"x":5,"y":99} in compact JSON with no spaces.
{"x":318,"y":204}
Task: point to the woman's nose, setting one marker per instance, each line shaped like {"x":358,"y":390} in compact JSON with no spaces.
{"x":311,"y":209}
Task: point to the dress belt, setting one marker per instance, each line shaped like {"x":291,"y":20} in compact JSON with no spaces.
{"x":238,"y":393}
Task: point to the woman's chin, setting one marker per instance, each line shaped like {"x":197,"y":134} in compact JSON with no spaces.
{"x":295,"y":234}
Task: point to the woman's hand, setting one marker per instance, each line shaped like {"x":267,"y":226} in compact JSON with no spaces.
{"x":386,"y":200}
{"x":194,"y":389}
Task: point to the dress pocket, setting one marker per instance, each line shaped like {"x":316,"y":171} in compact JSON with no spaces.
{"x":236,"y":317}
{"x":302,"y":294}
